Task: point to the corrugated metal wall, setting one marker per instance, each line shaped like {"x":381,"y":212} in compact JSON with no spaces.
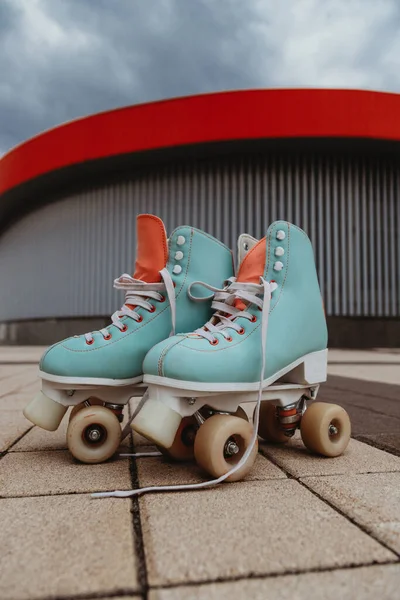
{"x":61,"y":260}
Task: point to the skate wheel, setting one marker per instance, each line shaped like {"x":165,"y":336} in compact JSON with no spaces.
{"x":93,"y":434}
{"x":78,"y":407}
{"x":325,"y":429}
{"x":221,"y":442}
{"x":269,"y":428}
{"x":182,"y":448}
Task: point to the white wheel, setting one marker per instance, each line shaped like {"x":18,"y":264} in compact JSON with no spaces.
{"x":325,"y":429}
{"x":93,"y":434}
{"x":221,"y":442}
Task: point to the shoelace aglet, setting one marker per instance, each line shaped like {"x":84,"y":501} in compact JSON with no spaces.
{"x":116,"y":494}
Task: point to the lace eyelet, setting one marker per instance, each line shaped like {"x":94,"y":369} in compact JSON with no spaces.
{"x":124,"y":328}
{"x":89,"y":343}
{"x":253,"y":319}
{"x":140,"y":319}
{"x":214,"y":342}
{"x":241,"y":331}
{"x":153,"y":308}
{"x":162,"y":298}
{"x":108,"y":337}
{"x":229,"y":339}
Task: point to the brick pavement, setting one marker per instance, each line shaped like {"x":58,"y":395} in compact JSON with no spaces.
{"x":298,"y":527}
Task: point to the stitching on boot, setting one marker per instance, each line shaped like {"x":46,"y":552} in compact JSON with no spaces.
{"x":160,"y":365}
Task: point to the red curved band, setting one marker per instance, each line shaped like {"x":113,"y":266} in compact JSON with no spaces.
{"x":206,"y":118}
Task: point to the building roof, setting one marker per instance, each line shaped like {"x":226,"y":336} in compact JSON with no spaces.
{"x":204,"y":119}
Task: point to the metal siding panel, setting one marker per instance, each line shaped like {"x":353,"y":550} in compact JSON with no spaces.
{"x":349,"y":183}
{"x":371,"y":244}
{"x":319,"y":250}
{"x":69,"y":252}
{"x":397,"y":252}
{"x":327,"y":232}
{"x":392,"y":241}
{"x":364,"y":233}
{"x":357,"y":242}
{"x":336,"y":250}
{"x":377,"y":193}
{"x":386,"y":241}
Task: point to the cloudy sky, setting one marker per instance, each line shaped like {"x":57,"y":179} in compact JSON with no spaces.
{"x":60,"y":59}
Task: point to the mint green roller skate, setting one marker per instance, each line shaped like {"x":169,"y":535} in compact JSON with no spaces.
{"x":267,"y":342}
{"x":99,"y":372}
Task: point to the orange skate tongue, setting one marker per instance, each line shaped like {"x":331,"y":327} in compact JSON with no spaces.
{"x":151,"y":249}
{"x":252,"y":268}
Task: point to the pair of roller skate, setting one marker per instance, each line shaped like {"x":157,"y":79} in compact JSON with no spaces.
{"x":258,"y":337}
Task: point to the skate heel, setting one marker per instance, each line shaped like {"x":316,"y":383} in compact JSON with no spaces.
{"x":157,"y":422}
{"x":313,"y":369}
{"x":44,"y":412}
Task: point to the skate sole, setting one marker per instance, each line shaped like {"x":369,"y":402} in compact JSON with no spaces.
{"x":308,"y":369}
{"x":89,"y":381}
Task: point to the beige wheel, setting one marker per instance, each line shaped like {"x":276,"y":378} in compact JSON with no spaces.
{"x":325,"y":429}
{"x":93,"y":434}
{"x":221,"y":442}
{"x":269,"y":428}
{"x":182,"y":448}
{"x":78,"y":407}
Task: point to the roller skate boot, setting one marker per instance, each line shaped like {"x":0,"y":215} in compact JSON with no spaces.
{"x":97,"y":373}
{"x":266,"y":343}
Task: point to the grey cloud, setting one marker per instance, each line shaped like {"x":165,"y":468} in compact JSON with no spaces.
{"x":60,"y":59}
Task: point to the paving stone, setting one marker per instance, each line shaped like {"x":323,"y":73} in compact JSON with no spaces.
{"x":15,"y":401}
{"x":47,"y":473}
{"x":365,"y":421}
{"x":163,"y":471}
{"x":375,"y":356}
{"x":65,"y":545}
{"x":369,"y":389}
{"x":385,"y":441}
{"x":19,"y":381}
{"x":12,"y":425}
{"x":39,"y":439}
{"x":7,"y":371}
{"x":363,"y":583}
{"x":21,"y":354}
{"x":32,"y":388}
{"x":373,"y":500}
{"x":373,"y":408}
{"x":138,"y":595}
{"x":378,"y":398}
{"x":245,"y":529}
{"x":389,"y":373}
{"x":358,"y":458}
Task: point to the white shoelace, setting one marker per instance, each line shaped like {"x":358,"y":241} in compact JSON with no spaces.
{"x":247,"y":293}
{"x":137,"y":294}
